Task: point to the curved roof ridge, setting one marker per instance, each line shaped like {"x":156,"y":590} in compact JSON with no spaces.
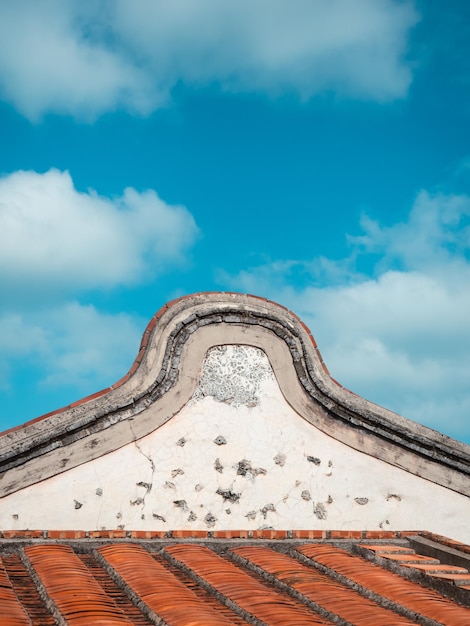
{"x":164,"y":373}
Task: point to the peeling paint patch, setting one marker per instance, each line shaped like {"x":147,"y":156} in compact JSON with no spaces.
{"x":182,"y":504}
{"x":77,"y":504}
{"x":314,"y":459}
{"x":137,"y":502}
{"x":210,"y":520}
{"x":181,"y":442}
{"x":251,"y":515}
{"x":233,"y":375}
{"x":361,"y":501}
{"x":244,"y":468}
{"x":159,"y":517}
{"x":393,"y":496}
{"x":268,"y":508}
{"x":99,"y":491}
{"x":305,"y":495}
{"x":220,"y":441}
{"x":192,"y":517}
{"x":176,"y":472}
{"x":319,"y":510}
{"x":146,"y":486}
{"x":280,"y":459}
{"x":228,"y":494}
{"x":218,"y":466}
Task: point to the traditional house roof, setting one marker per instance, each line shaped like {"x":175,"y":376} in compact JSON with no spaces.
{"x":228,"y":478}
{"x":119,"y":577}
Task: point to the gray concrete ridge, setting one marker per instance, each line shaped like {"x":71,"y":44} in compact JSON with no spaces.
{"x":165,"y":375}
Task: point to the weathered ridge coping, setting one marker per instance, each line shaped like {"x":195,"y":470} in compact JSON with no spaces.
{"x":164,"y":376}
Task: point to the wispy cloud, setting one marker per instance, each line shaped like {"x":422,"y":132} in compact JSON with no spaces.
{"x":399,"y":338}
{"x":84,"y":59}
{"x":55,"y":238}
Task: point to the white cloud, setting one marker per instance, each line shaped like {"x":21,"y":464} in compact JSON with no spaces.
{"x":56,"y":243}
{"x":53,"y":237}
{"x":401,"y":338}
{"x":50,"y":61}
{"x":86,"y":58}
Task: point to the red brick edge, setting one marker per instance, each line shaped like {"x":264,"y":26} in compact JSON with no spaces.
{"x":225,"y":534}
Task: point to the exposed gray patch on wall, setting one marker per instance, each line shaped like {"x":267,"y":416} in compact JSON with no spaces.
{"x":232,"y":374}
{"x":218,"y":466}
{"x":244,"y":468}
{"x":182,"y":504}
{"x":228,"y":494}
{"x":319,"y":510}
{"x":267,"y":508}
{"x":280,"y":459}
{"x":137,"y":502}
{"x":220,"y":441}
{"x":145,"y":485}
{"x":210,"y":520}
{"x":361,"y":501}
{"x":314,"y":459}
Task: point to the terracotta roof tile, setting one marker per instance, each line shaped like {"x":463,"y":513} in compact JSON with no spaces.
{"x":160,"y":593}
{"x":90,"y":578}
{"x":13,"y":613}
{"x":318,"y":588}
{"x":73,"y":591}
{"x":238,"y":589}
{"x":387,"y":586}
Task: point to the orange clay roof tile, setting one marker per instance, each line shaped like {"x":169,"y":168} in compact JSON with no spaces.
{"x":96,"y":578}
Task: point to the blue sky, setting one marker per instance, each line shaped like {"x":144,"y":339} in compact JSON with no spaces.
{"x":315,"y":152}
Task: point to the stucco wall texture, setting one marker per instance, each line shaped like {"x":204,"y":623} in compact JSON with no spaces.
{"x":237,"y":455}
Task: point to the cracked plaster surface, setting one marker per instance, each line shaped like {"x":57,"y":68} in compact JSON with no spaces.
{"x":234,"y":374}
{"x":236,"y":456}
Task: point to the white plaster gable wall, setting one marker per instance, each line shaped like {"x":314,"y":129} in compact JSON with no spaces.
{"x":237,"y":456}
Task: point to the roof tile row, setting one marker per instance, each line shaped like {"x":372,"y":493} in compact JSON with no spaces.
{"x":235,"y":582}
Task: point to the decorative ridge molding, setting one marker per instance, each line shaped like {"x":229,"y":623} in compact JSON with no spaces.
{"x":161,"y":375}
